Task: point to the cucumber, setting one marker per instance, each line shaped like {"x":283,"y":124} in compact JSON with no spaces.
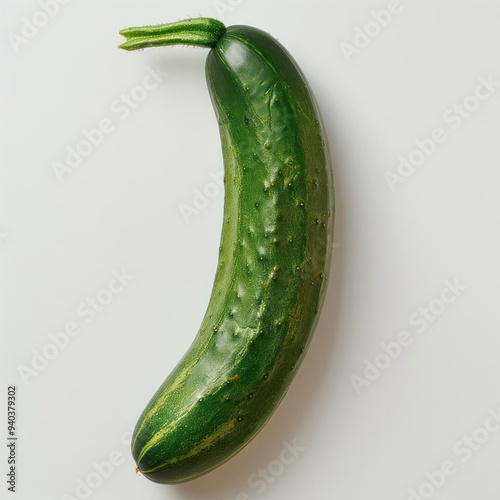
{"x":274,"y":259}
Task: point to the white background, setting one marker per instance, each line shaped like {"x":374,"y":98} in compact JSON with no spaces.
{"x":120,"y":210}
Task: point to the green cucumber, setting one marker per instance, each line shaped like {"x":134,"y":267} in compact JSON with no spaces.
{"x":274,"y":260}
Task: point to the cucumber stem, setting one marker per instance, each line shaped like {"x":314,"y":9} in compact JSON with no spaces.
{"x":200,"y":31}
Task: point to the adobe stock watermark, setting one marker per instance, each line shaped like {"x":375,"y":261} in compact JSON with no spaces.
{"x":222,"y":7}
{"x":32,"y":25}
{"x":454,"y":117}
{"x":88,"y":310}
{"x":260,"y":480}
{"x":420,"y":321}
{"x":201,"y":197}
{"x":462,"y":451}
{"x":100,"y":471}
{"x":121,"y":108}
{"x":365,"y":35}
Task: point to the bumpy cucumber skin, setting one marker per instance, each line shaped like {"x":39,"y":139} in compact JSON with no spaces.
{"x":274,"y":262}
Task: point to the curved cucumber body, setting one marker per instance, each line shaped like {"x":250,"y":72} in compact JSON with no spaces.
{"x":274,"y":259}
